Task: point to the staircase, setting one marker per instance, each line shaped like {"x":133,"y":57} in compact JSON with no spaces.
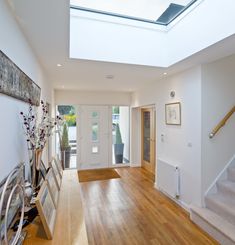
{"x":218,"y":217}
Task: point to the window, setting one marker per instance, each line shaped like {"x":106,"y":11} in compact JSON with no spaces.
{"x":94,"y":129}
{"x":94,"y":114}
{"x":120,"y":134}
{"x":69,"y":136}
{"x":154,"y":11}
{"x":95,"y":149}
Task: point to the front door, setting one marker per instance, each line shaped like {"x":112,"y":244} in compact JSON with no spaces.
{"x":94,"y":137}
{"x":148,"y":139}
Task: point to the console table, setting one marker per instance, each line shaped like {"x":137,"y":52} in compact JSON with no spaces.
{"x":70,"y":226}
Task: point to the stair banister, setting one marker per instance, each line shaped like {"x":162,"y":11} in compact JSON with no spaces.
{"x":221,"y":123}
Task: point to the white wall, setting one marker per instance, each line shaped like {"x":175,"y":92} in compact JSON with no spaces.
{"x":12,"y":141}
{"x":218,"y":97}
{"x":182,"y":144}
{"x":135,"y":136}
{"x":125,"y":41}
{"x":200,"y":29}
{"x":68,"y":97}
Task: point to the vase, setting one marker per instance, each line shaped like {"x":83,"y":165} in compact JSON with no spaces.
{"x":65,"y":157}
{"x":35,"y":166}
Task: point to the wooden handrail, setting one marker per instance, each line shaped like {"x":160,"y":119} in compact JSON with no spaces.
{"x":222,"y":123}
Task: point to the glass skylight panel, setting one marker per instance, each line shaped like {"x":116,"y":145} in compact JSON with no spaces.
{"x":156,"y":11}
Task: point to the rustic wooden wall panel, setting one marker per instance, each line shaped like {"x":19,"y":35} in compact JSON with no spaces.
{"x":15,"y":83}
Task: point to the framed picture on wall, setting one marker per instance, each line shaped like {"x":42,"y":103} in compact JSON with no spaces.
{"x":173,"y":113}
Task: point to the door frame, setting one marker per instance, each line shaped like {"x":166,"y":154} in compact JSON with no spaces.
{"x":152,"y":110}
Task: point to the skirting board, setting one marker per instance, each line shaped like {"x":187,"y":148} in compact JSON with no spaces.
{"x":135,"y":165}
{"x":182,"y":204}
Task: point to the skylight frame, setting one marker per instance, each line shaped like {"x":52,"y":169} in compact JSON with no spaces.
{"x":90,"y":10}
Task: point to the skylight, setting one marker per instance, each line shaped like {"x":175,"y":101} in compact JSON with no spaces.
{"x":154,"y":11}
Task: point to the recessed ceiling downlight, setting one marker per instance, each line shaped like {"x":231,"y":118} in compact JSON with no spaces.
{"x":59,"y":65}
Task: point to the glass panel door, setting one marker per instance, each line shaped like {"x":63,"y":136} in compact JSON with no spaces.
{"x":146,"y":136}
{"x":94,"y":137}
{"x":148,"y":139}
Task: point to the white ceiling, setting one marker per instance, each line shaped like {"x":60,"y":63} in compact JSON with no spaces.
{"x":46,"y":26}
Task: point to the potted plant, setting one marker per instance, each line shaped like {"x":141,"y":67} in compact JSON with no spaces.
{"x":118,"y":146}
{"x":65,"y":147}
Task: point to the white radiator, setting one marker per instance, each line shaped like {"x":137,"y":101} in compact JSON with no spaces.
{"x":168,"y":178}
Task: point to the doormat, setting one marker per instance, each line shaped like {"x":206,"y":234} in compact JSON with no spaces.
{"x":97,"y":174}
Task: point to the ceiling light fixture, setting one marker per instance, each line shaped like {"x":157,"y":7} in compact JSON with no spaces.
{"x":165,"y":73}
{"x":59,"y":65}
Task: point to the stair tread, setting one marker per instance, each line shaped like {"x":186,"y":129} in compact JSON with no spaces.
{"x":222,"y":205}
{"x":216,"y":221}
{"x":231,"y":173}
{"x":228,"y":184}
{"x":222,"y":200}
{"x":232,"y":169}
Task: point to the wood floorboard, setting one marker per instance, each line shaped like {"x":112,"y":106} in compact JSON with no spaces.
{"x":131,"y":211}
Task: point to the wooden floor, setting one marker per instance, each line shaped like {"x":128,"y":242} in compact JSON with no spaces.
{"x":131,"y":211}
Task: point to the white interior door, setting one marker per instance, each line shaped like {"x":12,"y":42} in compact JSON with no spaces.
{"x":94,"y":137}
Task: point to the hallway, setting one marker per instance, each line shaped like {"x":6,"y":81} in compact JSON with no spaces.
{"x":130,"y":210}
